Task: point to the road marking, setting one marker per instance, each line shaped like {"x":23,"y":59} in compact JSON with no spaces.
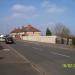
{"x":37,"y":48}
{"x":26,"y":45}
{"x":55,"y":53}
{"x":62,"y":48}
{"x":6,"y":49}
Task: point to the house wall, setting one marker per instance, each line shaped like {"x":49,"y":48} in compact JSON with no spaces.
{"x":26,"y":34}
{"x":33,"y":33}
{"x":37,"y":33}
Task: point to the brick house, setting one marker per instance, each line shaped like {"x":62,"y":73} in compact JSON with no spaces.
{"x":25,"y":31}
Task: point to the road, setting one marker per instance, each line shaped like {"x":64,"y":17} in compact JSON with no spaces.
{"x":47,"y":60}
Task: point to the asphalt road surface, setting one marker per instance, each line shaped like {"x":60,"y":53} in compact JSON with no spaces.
{"x":46,"y":60}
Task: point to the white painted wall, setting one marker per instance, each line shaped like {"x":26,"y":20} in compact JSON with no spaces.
{"x":33,"y":33}
{"x":46,"y":39}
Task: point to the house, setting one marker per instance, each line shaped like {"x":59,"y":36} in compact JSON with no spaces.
{"x":30,"y":31}
{"x":25,"y":31}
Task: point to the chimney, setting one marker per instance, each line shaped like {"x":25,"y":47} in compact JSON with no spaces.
{"x":29,"y":25}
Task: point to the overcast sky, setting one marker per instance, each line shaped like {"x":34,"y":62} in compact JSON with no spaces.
{"x":39,"y":13}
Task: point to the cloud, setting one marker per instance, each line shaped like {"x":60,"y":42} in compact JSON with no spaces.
{"x":18,"y":8}
{"x":52,"y":8}
{"x":19,"y":11}
{"x":21,"y":16}
{"x":45,"y":4}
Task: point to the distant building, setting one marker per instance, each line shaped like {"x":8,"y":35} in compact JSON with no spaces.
{"x":25,"y":31}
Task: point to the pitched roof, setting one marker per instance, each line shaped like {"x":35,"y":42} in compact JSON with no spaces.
{"x":16,"y":30}
{"x":30,"y":28}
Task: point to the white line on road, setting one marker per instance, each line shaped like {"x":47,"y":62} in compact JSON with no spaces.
{"x":26,"y":45}
{"x":37,"y":48}
{"x":6,"y":49}
{"x":55,"y":53}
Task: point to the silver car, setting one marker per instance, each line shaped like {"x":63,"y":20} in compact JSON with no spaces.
{"x":2,"y":38}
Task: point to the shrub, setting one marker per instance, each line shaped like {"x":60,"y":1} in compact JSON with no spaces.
{"x":73,"y":41}
{"x":48,"y":32}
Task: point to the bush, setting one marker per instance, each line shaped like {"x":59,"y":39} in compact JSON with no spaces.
{"x":73,"y":41}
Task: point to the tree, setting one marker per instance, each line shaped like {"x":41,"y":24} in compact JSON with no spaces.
{"x":61,"y":30}
{"x":48,"y":32}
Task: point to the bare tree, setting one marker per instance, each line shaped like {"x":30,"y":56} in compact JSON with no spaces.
{"x":61,"y":30}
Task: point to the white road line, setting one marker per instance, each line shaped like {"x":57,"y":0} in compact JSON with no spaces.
{"x":6,"y":49}
{"x":37,"y":48}
{"x":62,"y":48}
{"x":55,"y":53}
{"x":26,"y":45}
{"x":32,"y":42}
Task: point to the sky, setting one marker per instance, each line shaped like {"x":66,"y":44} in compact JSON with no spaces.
{"x":39,"y":13}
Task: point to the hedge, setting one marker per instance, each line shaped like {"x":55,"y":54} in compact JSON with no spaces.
{"x":73,"y":41}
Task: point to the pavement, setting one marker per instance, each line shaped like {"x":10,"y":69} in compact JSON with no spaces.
{"x":11,"y":63}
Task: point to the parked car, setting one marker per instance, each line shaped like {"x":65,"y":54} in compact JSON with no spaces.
{"x":9,"y":40}
{"x":2,"y":39}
